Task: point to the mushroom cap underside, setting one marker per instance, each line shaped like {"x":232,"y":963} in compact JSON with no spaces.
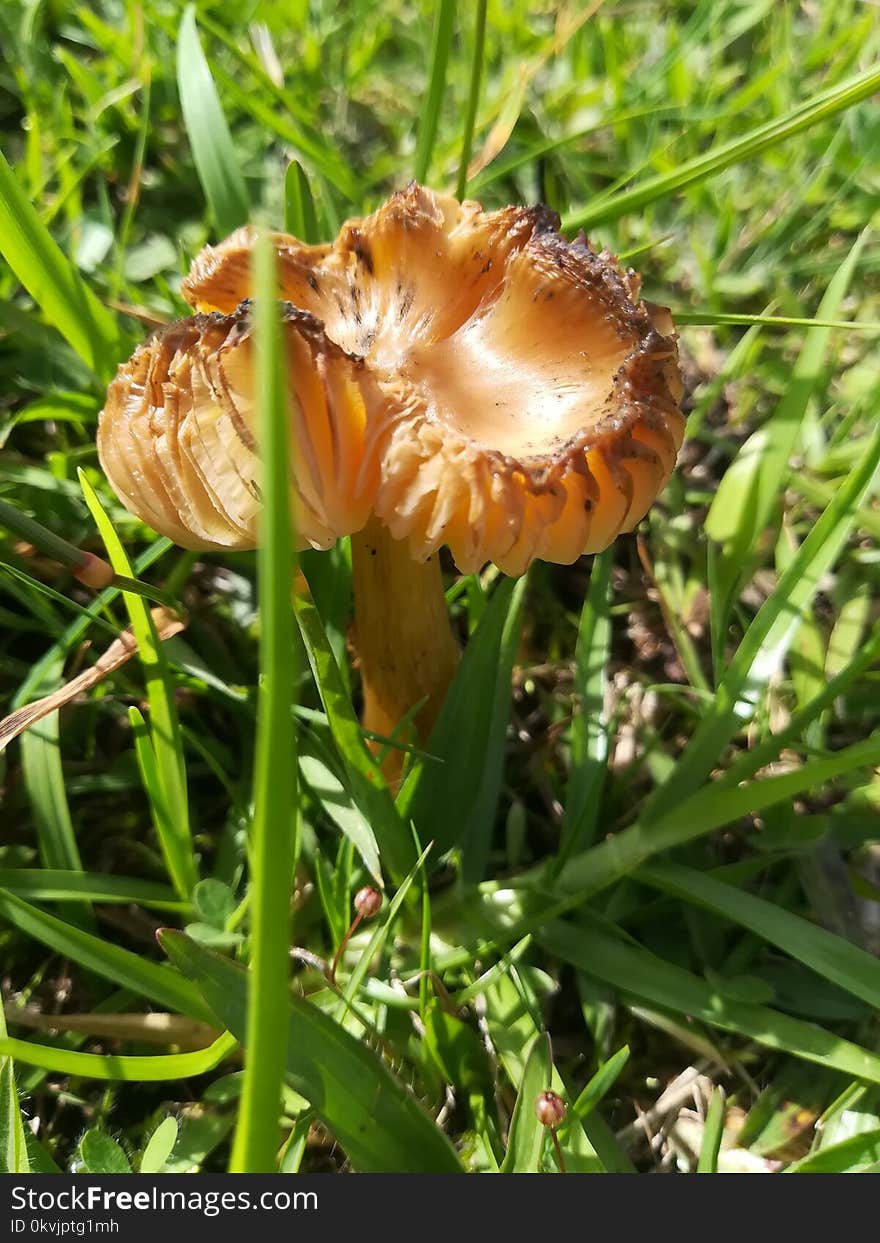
{"x":470,"y":377}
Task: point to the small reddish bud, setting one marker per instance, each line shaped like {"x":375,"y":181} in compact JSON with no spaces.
{"x":367,"y":902}
{"x":550,"y":1110}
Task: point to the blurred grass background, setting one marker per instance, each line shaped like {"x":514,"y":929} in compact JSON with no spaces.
{"x":718,"y":147}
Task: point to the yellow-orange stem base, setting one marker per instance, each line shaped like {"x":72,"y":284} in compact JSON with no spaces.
{"x":402,"y":637}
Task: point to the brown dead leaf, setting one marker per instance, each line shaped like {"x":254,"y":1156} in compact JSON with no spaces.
{"x":120,"y":650}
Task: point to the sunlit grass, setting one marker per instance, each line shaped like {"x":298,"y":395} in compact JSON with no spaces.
{"x":274,"y":829}
{"x":654,"y":781}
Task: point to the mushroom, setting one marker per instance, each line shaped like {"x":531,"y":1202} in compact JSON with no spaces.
{"x":176,"y":437}
{"x":461,"y":378}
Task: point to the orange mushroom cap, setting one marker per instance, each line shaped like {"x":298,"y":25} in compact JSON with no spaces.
{"x":492,"y":387}
{"x":177,"y":435}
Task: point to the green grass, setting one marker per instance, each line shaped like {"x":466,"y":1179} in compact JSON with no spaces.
{"x":640,"y":847}
{"x":273,"y":842}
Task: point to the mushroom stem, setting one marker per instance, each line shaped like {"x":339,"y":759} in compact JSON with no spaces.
{"x":402,"y":636}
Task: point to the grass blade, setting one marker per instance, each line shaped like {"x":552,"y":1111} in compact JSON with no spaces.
{"x":167,"y":744}
{"x":756,"y":757}
{"x":858,"y":1152}
{"x":280,"y":111}
{"x":701,"y":167}
{"x":441,"y":44}
{"x":56,"y":885}
{"x":52,"y":280}
{"x":716,"y":318}
{"x":470,"y":116}
{"x":638,"y":973}
{"x":380,"y":935}
{"x":209,"y":136}
{"x":442,"y":798}
{"x":711,"y":808}
{"x":526,"y":1139}
{"x":337,"y":803}
{"x":601,"y":1083}
{"x":44,"y":782}
{"x":753,"y":484}
{"x":273,"y":830}
{"x":766,"y":641}
{"x":713,"y":1133}
{"x":13,"y":1144}
{"x":159,"y":1068}
{"x":324,"y":159}
{"x":300,"y":217}
{"x":618,"y":856}
{"x":84,"y":566}
{"x":161,"y":813}
{"x":477,"y":830}
{"x":513,"y":1018}
{"x":114,"y":657}
{"x":381,"y":1127}
{"x":830,"y":956}
{"x":363,"y":776}
{"x":589,"y":729}
{"x":42,"y":668}
{"x":44,"y":779}
{"x":132,"y":971}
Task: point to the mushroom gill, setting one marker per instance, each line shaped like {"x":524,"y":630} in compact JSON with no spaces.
{"x":176,"y":437}
{"x":530,"y":399}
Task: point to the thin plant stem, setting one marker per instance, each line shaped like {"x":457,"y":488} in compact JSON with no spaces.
{"x":337,"y":957}
{"x":470,"y":116}
{"x":272,"y":851}
{"x":85,"y":565}
{"x":440,"y":45}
